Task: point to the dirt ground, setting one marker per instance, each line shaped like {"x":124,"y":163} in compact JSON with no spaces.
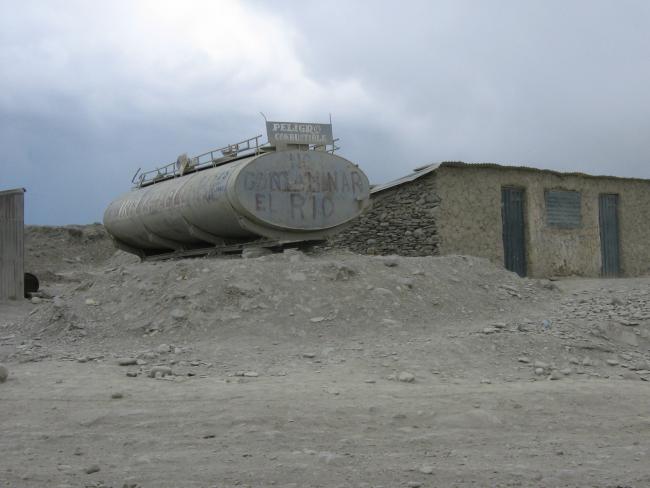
{"x":318,"y":369}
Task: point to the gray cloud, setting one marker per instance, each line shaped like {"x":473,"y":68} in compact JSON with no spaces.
{"x":89,"y":92}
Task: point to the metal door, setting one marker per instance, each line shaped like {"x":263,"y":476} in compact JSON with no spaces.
{"x":514,"y":239}
{"x":609,"y":248}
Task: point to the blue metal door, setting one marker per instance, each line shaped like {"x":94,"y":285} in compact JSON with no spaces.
{"x":609,"y":240}
{"x":514,"y":239}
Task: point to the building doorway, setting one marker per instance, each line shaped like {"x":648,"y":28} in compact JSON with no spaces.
{"x":514,"y":235}
{"x":609,"y":235}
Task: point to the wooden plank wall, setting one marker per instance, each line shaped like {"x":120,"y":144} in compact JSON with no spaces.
{"x":12,"y":248}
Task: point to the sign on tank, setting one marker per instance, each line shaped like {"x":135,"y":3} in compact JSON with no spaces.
{"x":281,"y":133}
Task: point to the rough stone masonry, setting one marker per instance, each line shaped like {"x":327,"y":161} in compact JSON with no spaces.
{"x":402,"y":221}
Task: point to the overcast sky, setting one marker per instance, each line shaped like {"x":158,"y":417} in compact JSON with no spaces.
{"x":90,"y":91}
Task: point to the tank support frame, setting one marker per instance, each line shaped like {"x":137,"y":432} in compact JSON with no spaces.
{"x":228,"y":249}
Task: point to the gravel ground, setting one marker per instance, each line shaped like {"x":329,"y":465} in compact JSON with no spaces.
{"x":318,"y":369}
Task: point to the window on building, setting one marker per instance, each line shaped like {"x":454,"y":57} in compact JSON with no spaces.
{"x":562,"y":209}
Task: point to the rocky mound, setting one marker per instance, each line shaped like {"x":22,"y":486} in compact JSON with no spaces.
{"x":450,"y":315}
{"x":49,"y":250}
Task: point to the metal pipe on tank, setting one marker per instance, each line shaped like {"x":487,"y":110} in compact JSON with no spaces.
{"x":286,"y":195}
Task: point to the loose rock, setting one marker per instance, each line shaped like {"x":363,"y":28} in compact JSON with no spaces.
{"x":178,"y":314}
{"x":160,"y":372}
{"x":255,"y":252}
{"x":92,"y":469}
{"x":406,"y":377}
{"x":406,"y":282}
{"x":247,"y":374}
{"x":127,"y":361}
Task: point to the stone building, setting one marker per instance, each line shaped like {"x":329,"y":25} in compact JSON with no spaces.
{"x":536,"y":222}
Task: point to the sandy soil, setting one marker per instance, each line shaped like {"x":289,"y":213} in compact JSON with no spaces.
{"x":320,"y":369}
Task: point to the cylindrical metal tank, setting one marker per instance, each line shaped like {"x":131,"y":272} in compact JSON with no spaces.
{"x":286,"y":195}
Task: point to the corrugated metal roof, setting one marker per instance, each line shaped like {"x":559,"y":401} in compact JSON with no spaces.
{"x":460,"y":164}
{"x":418,"y":173}
{"x":424,"y":170}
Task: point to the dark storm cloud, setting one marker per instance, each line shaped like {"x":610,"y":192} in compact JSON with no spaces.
{"x":89,"y":92}
{"x":556,"y":84}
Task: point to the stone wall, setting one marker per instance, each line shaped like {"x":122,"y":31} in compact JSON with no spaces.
{"x":402,"y":221}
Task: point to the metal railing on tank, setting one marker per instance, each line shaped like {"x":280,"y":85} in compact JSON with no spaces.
{"x":185,"y":165}
{"x":222,"y":155}
{"x":330,"y":148}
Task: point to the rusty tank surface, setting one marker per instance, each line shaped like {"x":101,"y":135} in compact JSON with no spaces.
{"x":287,"y":196}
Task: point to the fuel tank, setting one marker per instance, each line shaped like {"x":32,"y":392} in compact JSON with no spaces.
{"x":287,"y":196}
